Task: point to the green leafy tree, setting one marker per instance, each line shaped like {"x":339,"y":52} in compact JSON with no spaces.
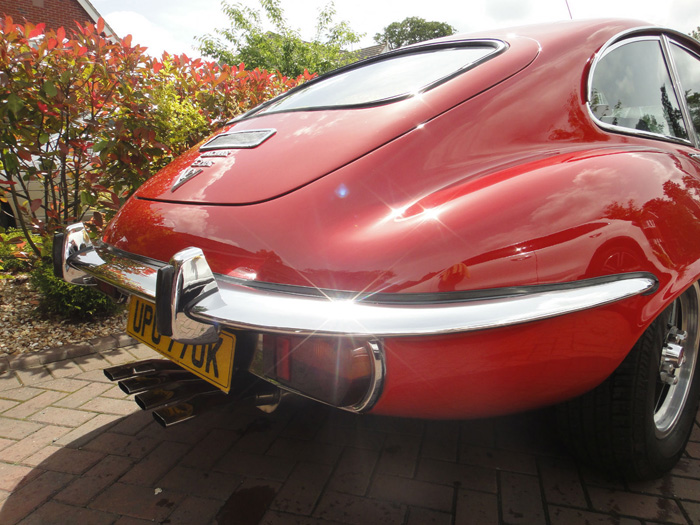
{"x":282,"y":49}
{"x":84,"y":121}
{"x":695,"y":33}
{"x":412,"y":30}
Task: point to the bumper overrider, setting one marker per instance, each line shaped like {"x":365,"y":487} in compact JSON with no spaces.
{"x":326,"y":345}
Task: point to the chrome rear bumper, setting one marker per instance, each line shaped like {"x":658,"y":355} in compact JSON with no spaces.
{"x":192,"y":303}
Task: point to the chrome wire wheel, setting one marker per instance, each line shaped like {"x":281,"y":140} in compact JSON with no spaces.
{"x":678,"y":361}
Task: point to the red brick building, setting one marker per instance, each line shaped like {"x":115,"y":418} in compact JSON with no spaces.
{"x":54,"y":13}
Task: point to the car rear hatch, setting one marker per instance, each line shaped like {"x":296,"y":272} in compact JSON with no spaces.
{"x":334,"y":120}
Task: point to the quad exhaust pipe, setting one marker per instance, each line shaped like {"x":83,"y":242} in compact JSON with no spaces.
{"x":176,"y":395}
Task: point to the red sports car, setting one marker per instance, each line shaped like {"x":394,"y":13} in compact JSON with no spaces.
{"x":466,"y":227}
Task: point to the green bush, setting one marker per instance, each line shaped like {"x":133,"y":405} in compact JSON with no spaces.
{"x":76,"y":303}
{"x":14,"y":258}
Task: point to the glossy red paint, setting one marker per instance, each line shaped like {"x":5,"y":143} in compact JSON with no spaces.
{"x":499,"y":178}
{"x":506,"y":370}
{"x":310,"y":144}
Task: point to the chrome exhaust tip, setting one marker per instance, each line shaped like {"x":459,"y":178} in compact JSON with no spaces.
{"x":118,"y":372}
{"x":141,"y":383}
{"x":171,"y":394}
{"x":193,"y":407}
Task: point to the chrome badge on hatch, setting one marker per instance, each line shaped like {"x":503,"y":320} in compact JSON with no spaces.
{"x":184,"y":176}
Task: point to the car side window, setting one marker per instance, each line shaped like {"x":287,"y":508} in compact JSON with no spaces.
{"x":688,"y":66}
{"x":631,"y":88}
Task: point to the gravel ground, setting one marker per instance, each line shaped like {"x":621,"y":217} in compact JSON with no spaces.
{"x":24,"y":330}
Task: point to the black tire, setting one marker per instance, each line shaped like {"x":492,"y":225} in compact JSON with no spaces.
{"x":636,"y":424}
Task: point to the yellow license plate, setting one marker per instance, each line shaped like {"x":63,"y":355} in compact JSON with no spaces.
{"x":212,"y":362}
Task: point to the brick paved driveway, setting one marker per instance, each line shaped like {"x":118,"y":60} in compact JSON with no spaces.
{"x":74,"y":449}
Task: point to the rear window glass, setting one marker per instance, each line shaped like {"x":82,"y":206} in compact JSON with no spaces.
{"x":385,"y":80}
{"x":632,"y":89}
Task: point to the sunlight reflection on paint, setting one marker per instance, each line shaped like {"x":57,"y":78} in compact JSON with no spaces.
{"x":342,"y":191}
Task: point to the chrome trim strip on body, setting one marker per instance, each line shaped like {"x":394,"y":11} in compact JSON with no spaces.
{"x":243,"y":307}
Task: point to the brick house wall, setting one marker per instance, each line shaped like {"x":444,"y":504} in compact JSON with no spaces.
{"x":54,"y":13}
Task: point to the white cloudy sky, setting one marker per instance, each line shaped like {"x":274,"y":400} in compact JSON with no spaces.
{"x":172,"y":25}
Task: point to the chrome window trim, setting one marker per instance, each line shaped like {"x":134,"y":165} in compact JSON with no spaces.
{"x":267,"y":108}
{"x":622,"y":39}
{"x":667,"y":44}
{"x":236,"y":306}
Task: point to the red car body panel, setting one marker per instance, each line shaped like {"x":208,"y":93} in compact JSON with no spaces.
{"x":498,"y":178}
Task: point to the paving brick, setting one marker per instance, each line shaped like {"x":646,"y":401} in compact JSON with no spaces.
{"x":70,"y":460}
{"x":354,"y":471}
{"x":86,"y":487}
{"x":465,"y":476}
{"x":191,"y":432}
{"x":120,"y":407}
{"x":4,"y":443}
{"x":196,"y":511}
{"x":419,"y":516}
{"x":63,"y":384}
{"x":568,"y":516}
{"x":33,"y":443}
{"x":441,"y":440}
{"x":23,"y":501}
{"x":55,"y":513}
{"x":210,"y":450}
{"x":61,"y":369}
{"x":307,"y":422}
{"x":480,"y":433}
{"x":134,"y":501}
{"x":82,"y":396}
{"x":91,"y":362}
{"x":635,"y":505}
{"x":128,"y":520}
{"x":687,"y":467}
{"x":303,"y":488}
{"x":13,"y":476}
{"x":32,"y":376}
{"x":693,"y":510}
{"x":21,"y":394}
{"x":6,"y":404}
{"x":35,"y":404}
{"x":122,"y":445}
{"x":562,"y":484}
{"x":412,"y":492}
{"x":346,"y":508}
{"x":142,"y":352}
{"x":521,"y":499}
{"x":394,"y":425}
{"x":355,"y":436}
{"x":274,"y":517}
{"x":264,"y":467}
{"x":87,"y":431}
{"x":62,"y":416}
{"x":93,"y":375}
{"x":499,"y":459}
{"x":303,"y":450}
{"x":249,"y":503}
{"x":117,"y":357}
{"x":200,"y":483}
{"x":693,"y":450}
{"x":115,"y":392}
{"x":156,"y":464}
{"x":476,"y":508}
{"x":8,"y":380}
{"x":399,"y":455}
{"x":17,"y":429}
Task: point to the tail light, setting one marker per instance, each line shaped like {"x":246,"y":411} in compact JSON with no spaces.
{"x":337,"y":371}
